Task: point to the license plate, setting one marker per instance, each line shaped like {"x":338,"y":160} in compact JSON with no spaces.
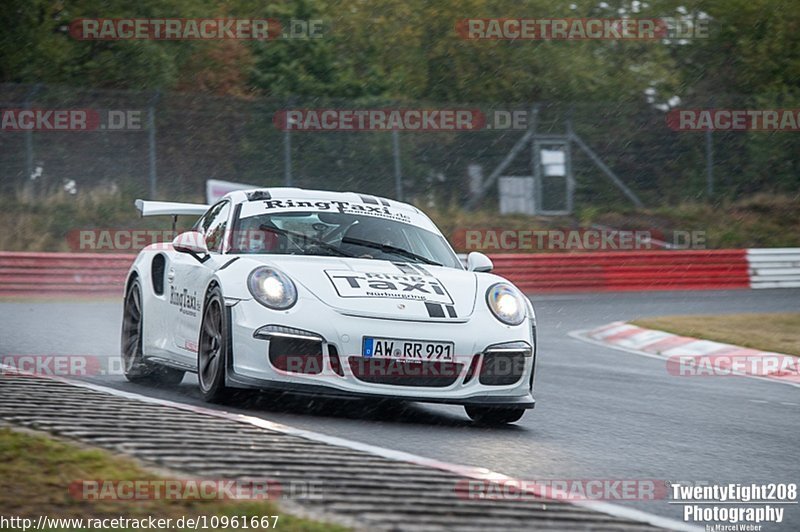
{"x":398,"y":349}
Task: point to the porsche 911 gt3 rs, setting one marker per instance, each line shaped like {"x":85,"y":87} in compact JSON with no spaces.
{"x":326,"y":293}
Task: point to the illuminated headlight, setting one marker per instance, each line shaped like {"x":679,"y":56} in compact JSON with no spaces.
{"x":272,"y":288}
{"x":506,"y":303}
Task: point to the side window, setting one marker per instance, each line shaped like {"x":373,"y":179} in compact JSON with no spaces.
{"x":205,"y":220}
{"x":202,"y":224}
{"x":217,"y":222}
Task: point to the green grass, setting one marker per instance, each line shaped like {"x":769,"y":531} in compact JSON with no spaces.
{"x":778,"y":332}
{"x":36,"y":471}
{"x":759,"y":221}
{"x":31,"y":224}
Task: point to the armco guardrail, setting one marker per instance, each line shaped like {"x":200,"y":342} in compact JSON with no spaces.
{"x":774,"y":268}
{"x":62,"y":273}
{"x":626,"y":270}
{"x":27,"y":274}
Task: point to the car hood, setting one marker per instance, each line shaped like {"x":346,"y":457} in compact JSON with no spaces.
{"x":382,"y":289}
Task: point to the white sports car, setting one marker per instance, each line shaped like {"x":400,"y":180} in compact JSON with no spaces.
{"x":328,"y":293}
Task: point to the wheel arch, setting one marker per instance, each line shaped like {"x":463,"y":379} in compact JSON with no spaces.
{"x":141,"y":269}
{"x":132,"y":276}
{"x":213,"y":283}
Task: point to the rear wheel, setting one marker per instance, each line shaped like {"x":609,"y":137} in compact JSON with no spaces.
{"x":487,"y":415}
{"x":213,"y":349}
{"x":134,"y":366}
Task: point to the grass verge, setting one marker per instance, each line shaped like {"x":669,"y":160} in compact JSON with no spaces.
{"x":44,"y":224}
{"x":777,"y":332}
{"x":36,"y":472}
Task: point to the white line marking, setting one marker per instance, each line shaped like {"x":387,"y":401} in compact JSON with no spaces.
{"x":477,"y":473}
{"x":580,"y":335}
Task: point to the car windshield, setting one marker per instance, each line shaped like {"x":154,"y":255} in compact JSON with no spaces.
{"x":341,"y":235}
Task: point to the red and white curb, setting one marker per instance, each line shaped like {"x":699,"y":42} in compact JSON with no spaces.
{"x":691,"y":357}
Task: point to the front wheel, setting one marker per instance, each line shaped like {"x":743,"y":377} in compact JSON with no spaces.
{"x":134,"y":366}
{"x":213,"y":349}
{"x":487,"y":415}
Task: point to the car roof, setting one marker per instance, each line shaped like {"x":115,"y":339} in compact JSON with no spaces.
{"x":302,"y":194}
{"x":414,"y":215}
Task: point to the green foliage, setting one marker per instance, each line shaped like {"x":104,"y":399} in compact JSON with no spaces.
{"x":37,"y":46}
{"x":409,"y":49}
{"x":42,"y":224}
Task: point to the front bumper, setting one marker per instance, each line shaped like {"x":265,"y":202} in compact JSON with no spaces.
{"x":336,"y":367}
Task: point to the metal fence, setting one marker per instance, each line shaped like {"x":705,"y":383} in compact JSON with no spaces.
{"x":185,"y":139}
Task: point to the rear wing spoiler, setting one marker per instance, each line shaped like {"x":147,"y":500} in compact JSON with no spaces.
{"x":169,"y":208}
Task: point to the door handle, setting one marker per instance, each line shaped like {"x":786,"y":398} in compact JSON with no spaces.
{"x":171,"y":275}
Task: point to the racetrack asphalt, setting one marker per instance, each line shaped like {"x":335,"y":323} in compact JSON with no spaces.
{"x":601,"y":413}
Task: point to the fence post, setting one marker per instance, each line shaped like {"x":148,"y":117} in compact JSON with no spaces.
{"x":398,"y":175}
{"x":535,"y":161}
{"x":568,"y":159}
{"x":151,"y":133}
{"x":287,"y":147}
{"x":710,"y":158}
{"x":709,"y":164}
{"x":29,"y":137}
{"x":287,"y":158}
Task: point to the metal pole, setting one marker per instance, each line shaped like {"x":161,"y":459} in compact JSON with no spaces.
{"x":398,"y":175}
{"x":568,"y":161}
{"x":535,"y":161}
{"x":287,"y":147}
{"x":287,"y":157}
{"x":709,"y":164}
{"x":151,"y":138}
{"x":29,"y":135}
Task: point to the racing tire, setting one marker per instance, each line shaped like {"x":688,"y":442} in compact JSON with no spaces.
{"x":213,"y":349}
{"x":134,"y":365}
{"x":487,"y":415}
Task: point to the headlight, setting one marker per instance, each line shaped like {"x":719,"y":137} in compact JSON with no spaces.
{"x":506,"y":303}
{"x":272,"y":288}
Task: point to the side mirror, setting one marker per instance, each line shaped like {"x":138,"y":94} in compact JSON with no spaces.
{"x":191,"y":242}
{"x":478,"y":262}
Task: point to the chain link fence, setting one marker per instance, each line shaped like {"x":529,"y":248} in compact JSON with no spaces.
{"x":181,"y":140}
